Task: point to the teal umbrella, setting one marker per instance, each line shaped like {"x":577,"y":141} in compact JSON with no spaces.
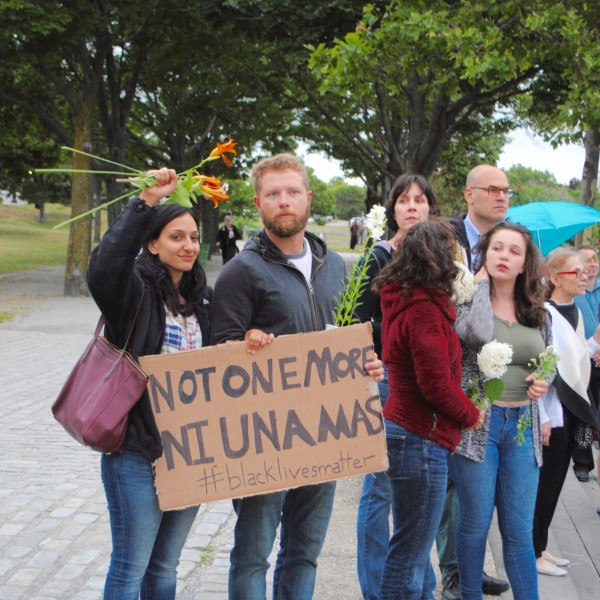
{"x":553,"y":223}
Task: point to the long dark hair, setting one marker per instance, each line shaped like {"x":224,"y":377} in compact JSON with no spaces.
{"x":529,"y":289}
{"x":402,"y":184}
{"x":425,"y":258}
{"x":193,"y":282}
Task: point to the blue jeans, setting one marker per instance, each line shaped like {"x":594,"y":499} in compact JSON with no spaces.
{"x":304,"y":514}
{"x":146,"y":541}
{"x":446,"y":535}
{"x":418,"y":476}
{"x":372,"y":523}
{"x":507,"y":477}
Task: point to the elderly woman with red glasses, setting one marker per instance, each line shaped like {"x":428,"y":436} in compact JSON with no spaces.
{"x":566,"y":415}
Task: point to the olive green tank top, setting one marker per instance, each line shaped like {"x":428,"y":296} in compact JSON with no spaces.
{"x":527,"y":343}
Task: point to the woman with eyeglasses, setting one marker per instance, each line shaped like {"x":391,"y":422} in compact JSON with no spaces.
{"x":566,"y":415}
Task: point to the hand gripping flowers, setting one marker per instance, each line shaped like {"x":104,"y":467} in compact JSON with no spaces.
{"x":493,"y":358}
{"x":348,"y":300}
{"x":191,"y":184}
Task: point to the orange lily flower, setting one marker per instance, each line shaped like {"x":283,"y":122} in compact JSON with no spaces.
{"x":212,"y":189}
{"x":221,"y":149}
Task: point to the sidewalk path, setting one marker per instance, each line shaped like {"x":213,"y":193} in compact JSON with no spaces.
{"x":54,"y":531}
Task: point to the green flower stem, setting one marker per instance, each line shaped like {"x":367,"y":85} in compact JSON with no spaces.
{"x":93,"y":210}
{"x":137,"y":178}
{"x":522,"y":424}
{"x":95,"y":157}
{"x":90,"y":171}
{"x":348,"y":300}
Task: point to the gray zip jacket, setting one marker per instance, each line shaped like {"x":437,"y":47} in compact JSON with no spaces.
{"x":261,"y":289}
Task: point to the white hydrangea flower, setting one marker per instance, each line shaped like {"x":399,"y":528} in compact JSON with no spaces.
{"x":493,"y":359}
{"x":375,"y":221}
{"x":464,"y":285}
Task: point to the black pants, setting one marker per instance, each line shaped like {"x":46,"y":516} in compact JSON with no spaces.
{"x":557,"y":457}
{"x":583,"y":458}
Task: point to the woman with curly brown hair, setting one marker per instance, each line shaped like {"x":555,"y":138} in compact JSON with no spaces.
{"x":411,"y":201}
{"x":426,"y":409}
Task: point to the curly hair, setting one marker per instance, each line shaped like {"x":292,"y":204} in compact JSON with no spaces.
{"x":193,"y":282}
{"x":278,"y":162}
{"x":401,"y":185}
{"x":425,"y":258}
{"x":529,"y":288}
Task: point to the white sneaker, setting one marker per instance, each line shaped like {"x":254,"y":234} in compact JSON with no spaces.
{"x":558,"y":562}
{"x":545,"y":567}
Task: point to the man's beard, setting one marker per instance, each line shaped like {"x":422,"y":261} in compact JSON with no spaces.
{"x":289,"y":230}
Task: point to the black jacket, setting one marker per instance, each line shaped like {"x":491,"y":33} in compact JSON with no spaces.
{"x":116,"y":277}
{"x":261,"y":289}
{"x":370,"y":305}
{"x":460,"y":232}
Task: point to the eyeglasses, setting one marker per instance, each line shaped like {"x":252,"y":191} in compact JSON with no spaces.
{"x":580,"y":273}
{"x":494,"y":191}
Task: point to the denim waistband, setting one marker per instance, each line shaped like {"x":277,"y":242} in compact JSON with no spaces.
{"x":508,"y":409}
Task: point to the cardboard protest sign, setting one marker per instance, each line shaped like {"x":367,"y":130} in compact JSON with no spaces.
{"x":300,"y":411}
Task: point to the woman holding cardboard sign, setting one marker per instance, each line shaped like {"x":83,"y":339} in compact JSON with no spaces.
{"x":163,"y":289}
{"x":426,"y":408}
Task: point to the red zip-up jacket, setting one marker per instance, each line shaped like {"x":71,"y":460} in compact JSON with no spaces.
{"x":423,"y":356}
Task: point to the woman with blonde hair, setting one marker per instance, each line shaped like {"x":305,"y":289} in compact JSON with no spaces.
{"x":567,"y":416}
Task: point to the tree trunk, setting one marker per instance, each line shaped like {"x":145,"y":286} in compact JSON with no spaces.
{"x":97,"y":216}
{"x":80,"y":236}
{"x":589,"y":178}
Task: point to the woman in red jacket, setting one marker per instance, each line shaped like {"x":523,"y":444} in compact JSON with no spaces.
{"x":426,"y":409}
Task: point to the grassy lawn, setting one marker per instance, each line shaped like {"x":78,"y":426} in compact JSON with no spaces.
{"x":26,"y":244}
{"x":337,"y":236}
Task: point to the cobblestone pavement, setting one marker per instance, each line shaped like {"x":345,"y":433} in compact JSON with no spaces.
{"x":54,"y":529}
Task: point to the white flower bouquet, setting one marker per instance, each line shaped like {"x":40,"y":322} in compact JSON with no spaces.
{"x":464,"y":285}
{"x":492,"y":359}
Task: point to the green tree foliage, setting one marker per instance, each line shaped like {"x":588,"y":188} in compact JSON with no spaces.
{"x":323,"y":202}
{"x":419,"y":76}
{"x":349,"y":199}
{"x":532,"y":185}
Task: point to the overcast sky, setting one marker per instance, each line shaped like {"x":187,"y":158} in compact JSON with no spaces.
{"x":565,"y":162}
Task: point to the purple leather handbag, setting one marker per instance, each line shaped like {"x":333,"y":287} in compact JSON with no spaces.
{"x":94,"y":403}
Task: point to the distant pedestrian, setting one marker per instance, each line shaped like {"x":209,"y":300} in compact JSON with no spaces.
{"x":227,"y":238}
{"x":354,"y":230}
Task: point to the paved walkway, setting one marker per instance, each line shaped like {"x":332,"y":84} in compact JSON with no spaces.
{"x":54,"y":533}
